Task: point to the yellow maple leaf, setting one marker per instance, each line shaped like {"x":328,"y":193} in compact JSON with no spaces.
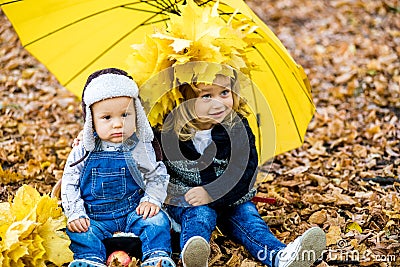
{"x":33,"y":232}
{"x":177,"y":44}
{"x":15,"y":255}
{"x":238,"y":62}
{"x":143,"y":61}
{"x":13,"y":248}
{"x":24,"y":203}
{"x":7,"y":176}
{"x":6,"y":218}
{"x":354,"y":226}
{"x":230,"y":39}
{"x":197,"y":34}
{"x":46,"y":208}
{"x":188,"y":37}
{"x":36,"y":250}
{"x":194,"y":22}
{"x":55,"y":242}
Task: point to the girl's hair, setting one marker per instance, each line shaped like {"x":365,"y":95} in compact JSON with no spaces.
{"x":183,"y":119}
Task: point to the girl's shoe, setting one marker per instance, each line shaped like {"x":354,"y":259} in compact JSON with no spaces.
{"x":85,"y":263}
{"x":195,"y":253}
{"x":158,"y":261}
{"x":303,"y":251}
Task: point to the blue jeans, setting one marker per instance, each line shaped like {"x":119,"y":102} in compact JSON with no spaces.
{"x":154,"y":233}
{"x":242,"y":223}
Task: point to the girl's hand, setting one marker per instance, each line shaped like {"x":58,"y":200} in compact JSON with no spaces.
{"x":78,"y":139}
{"x":147,"y":209}
{"x":197,"y":196}
{"x":79,"y":225}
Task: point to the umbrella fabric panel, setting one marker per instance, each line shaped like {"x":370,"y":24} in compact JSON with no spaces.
{"x":49,"y":16}
{"x":58,"y":21}
{"x":76,"y":37}
{"x":261,"y":121}
{"x":92,"y":37}
{"x":284,"y":92}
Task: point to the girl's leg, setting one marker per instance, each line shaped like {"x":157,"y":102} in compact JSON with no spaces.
{"x":197,"y":224}
{"x":194,"y":221}
{"x":154,"y":233}
{"x":244,"y":224}
{"x":89,"y":245}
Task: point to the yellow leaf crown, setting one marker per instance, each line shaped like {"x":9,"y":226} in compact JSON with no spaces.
{"x":198,"y":34}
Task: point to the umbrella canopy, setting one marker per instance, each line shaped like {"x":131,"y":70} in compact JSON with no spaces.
{"x":77,"y":37}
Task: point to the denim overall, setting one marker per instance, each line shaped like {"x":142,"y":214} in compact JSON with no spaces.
{"x":109,"y":186}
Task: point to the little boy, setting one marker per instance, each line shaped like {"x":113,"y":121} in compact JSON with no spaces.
{"x":112,"y":181}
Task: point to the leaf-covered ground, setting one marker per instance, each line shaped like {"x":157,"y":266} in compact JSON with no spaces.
{"x":345,"y":178}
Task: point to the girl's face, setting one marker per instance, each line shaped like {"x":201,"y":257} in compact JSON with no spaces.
{"x":114,"y":119}
{"x":214,"y":102}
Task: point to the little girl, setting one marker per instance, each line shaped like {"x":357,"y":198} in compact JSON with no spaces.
{"x":112,"y":181}
{"x":209,"y":151}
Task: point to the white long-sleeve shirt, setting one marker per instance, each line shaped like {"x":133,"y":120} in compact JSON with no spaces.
{"x":201,"y":140}
{"x":154,"y":174}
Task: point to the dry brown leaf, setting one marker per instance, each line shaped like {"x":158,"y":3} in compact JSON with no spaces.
{"x":318,"y":217}
{"x":334,"y":235}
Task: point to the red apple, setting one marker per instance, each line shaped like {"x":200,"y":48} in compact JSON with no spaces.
{"x":121,"y":256}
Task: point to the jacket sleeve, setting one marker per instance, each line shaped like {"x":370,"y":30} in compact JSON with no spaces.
{"x":155,"y":176}
{"x":239,"y":177}
{"x":71,"y":200}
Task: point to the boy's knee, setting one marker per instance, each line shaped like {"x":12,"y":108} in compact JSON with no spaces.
{"x":160,"y":219}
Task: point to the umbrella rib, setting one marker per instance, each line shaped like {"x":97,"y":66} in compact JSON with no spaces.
{"x":205,"y":2}
{"x":257,"y":114}
{"x":158,"y":4}
{"x":174,"y":6}
{"x":163,"y":6}
{"x":139,"y":9}
{"x":287,"y":65}
{"x":106,"y":50}
{"x":69,"y":24}
{"x":284,"y":95}
{"x":153,"y":22}
{"x":302,"y":88}
{"x":6,"y":3}
{"x":84,"y":18}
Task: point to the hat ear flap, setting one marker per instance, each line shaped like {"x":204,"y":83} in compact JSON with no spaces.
{"x":144,"y":131}
{"x":88,"y":135}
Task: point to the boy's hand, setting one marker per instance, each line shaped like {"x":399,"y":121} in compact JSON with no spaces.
{"x":78,"y":139}
{"x":197,"y":196}
{"x":79,"y":225}
{"x":147,"y":209}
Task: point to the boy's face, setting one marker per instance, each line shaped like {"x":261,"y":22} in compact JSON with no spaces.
{"x":114,"y":119}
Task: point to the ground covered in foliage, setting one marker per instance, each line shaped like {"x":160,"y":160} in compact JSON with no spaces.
{"x":345,"y":178}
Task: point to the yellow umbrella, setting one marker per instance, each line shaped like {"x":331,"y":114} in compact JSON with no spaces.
{"x":76,"y":37}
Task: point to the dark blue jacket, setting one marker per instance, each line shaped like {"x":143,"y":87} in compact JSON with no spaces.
{"x":227,"y":168}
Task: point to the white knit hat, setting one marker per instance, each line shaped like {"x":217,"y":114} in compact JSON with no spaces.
{"x":110,"y":85}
